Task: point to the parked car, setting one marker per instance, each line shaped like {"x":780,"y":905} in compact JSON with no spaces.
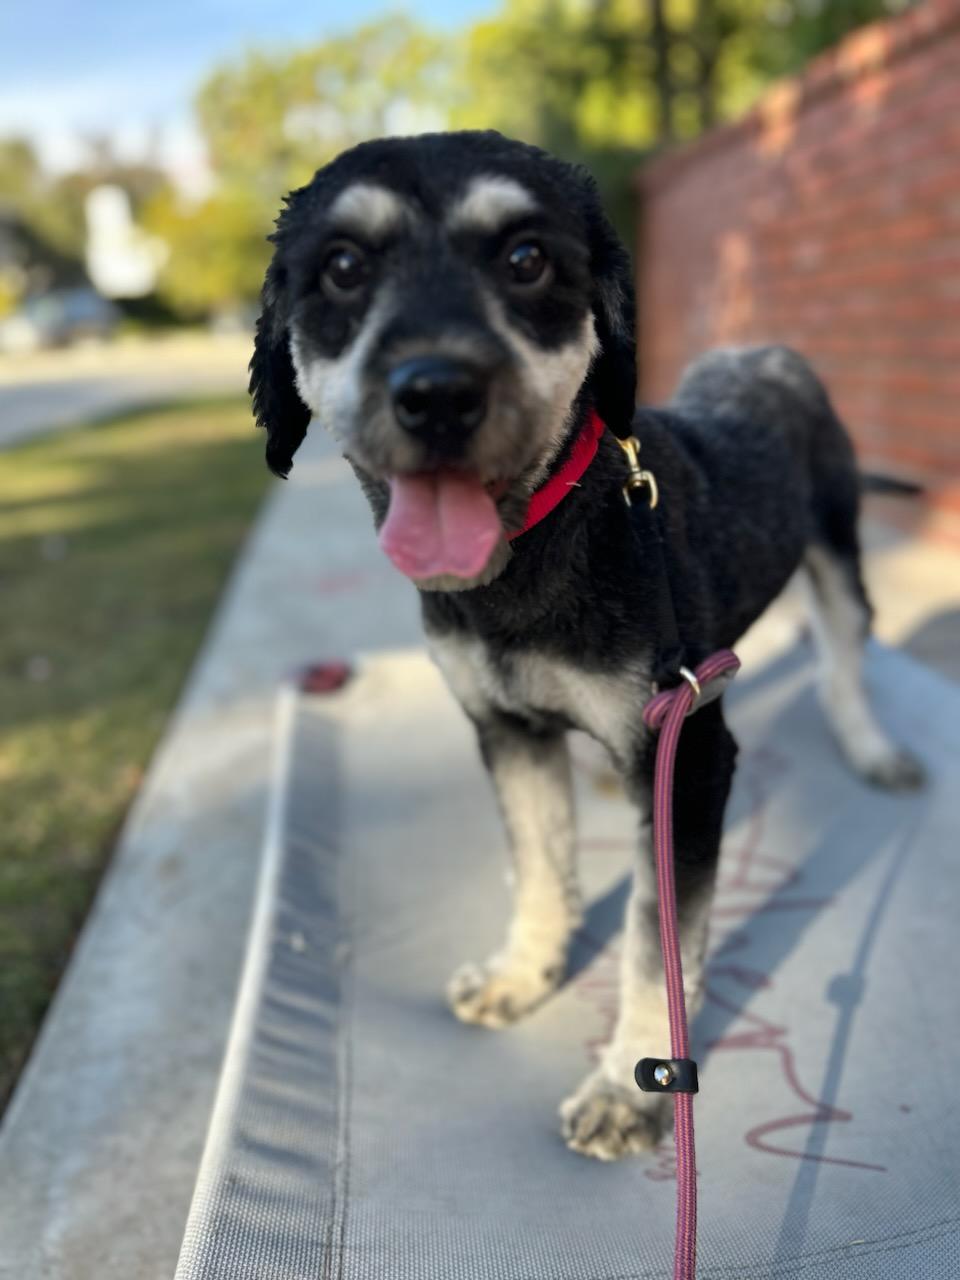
{"x":56,"y":319}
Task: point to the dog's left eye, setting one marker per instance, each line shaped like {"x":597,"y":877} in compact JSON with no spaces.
{"x":526,"y":262}
{"x":345,"y":269}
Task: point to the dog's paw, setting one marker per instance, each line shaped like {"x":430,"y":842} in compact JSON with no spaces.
{"x":608,"y":1121}
{"x":894,"y":770}
{"x":494,"y":995}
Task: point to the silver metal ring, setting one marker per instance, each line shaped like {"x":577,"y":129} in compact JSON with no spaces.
{"x":694,"y":684}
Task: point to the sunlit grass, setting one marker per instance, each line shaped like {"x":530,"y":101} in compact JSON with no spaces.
{"x":115,"y":541}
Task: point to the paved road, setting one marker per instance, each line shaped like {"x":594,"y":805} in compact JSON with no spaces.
{"x":52,"y":391}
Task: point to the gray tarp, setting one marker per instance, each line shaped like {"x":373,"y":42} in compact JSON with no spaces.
{"x":361,"y":1132}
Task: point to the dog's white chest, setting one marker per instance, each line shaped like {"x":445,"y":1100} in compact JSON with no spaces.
{"x":608,"y":707}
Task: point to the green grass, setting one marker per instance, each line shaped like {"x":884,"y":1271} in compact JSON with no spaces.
{"x":115,"y":541}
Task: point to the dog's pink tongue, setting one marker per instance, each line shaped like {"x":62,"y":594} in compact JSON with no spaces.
{"x":440,"y":522}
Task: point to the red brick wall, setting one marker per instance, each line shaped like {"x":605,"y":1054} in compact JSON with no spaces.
{"x":828,"y":218}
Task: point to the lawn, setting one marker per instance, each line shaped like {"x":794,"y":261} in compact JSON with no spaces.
{"x":115,"y":542}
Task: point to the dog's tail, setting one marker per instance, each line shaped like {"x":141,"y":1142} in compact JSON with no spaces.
{"x":875,"y":482}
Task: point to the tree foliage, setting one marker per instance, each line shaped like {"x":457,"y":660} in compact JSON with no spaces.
{"x":271,"y":120}
{"x":218,"y":248}
{"x":793,"y":31}
{"x":46,"y":208}
{"x":640,"y":73}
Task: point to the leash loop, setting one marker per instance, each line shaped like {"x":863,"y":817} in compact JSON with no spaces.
{"x":665,"y":713}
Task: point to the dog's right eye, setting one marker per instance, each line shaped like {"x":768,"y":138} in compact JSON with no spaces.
{"x":345,"y":270}
{"x":527,"y":263}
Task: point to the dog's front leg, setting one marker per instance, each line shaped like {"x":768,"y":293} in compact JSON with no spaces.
{"x":608,"y":1117}
{"x":531,"y":775}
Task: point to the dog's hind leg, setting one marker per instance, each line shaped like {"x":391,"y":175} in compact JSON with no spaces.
{"x":840,"y":614}
{"x":608,"y":1117}
{"x":531,"y":775}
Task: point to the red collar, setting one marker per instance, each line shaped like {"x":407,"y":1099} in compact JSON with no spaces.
{"x":553,"y":491}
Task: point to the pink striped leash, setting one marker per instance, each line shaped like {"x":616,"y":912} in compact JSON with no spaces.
{"x":666,"y":712}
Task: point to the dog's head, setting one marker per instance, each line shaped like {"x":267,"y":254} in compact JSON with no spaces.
{"x":445,"y":305}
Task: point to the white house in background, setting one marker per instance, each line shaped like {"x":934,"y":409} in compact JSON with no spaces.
{"x":122,"y":259}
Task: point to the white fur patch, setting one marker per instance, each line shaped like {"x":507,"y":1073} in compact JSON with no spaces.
{"x":330,"y":388}
{"x":489,"y":202}
{"x":838,"y":621}
{"x":608,"y":707}
{"x":534,"y":788}
{"x":535,"y":796}
{"x":369,"y":210}
{"x":553,"y":377}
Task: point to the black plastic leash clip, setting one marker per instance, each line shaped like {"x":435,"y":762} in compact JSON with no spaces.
{"x":667,"y":1075}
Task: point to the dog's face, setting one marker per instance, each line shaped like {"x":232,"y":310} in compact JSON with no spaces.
{"x":443,"y":304}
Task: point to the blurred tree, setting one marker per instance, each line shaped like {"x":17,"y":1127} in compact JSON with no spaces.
{"x":218,"y":250}
{"x":20,"y":173}
{"x":640,"y":72}
{"x":269,"y":122}
{"x":787,"y":33}
{"x":41,"y":236}
{"x":55,"y":218}
{"x":272,"y":120}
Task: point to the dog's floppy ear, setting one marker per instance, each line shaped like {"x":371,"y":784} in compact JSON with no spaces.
{"x":613,"y":375}
{"x":276,"y":405}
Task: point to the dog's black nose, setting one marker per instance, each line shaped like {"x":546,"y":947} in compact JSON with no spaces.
{"x":437,"y":399}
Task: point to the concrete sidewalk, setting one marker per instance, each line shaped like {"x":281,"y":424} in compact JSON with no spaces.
{"x":99,"y":1149}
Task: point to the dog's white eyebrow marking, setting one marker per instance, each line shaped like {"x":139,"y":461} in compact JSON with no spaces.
{"x":369,"y":209}
{"x":490,"y":201}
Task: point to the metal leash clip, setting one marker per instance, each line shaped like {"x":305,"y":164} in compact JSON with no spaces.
{"x":638,"y":477}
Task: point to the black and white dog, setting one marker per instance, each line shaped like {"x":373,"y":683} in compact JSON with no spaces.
{"x":453,"y":307}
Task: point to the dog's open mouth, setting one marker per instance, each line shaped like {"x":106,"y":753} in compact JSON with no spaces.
{"x":441,"y":522}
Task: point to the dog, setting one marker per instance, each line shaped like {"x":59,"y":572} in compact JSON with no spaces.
{"x":454,"y":308}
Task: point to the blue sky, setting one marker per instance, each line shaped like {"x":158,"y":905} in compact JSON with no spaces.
{"x":129,"y":67}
